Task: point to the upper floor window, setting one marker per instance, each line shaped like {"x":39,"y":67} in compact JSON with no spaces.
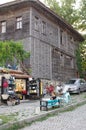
{"x":36,"y":23}
{"x":64,"y":38}
{"x":61,"y":37}
{"x":70,"y":39}
{"x":19,"y":23}
{"x":3,"y":26}
{"x":43,"y":27}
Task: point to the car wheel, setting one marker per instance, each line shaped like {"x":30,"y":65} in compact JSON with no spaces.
{"x":79,"y":91}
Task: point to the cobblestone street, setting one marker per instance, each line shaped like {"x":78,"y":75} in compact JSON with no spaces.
{"x":27,"y":109}
{"x":74,"y":120}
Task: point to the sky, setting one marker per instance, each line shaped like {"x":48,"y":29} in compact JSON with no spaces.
{"x":4,"y":1}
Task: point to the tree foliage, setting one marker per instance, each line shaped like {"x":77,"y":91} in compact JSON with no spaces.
{"x":81,"y":58}
{"x":67,"y":10}
{"x":82,"y":15}
{"x":83,"y":55}
{"x":12,"y":53}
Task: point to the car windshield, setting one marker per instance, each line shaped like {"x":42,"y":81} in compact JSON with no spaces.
{"x":71,"y":82}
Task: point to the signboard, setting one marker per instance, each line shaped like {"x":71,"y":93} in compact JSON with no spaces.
{"x":20,"y":85}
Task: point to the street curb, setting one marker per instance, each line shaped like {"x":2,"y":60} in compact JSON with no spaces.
{"x":39,"y":116}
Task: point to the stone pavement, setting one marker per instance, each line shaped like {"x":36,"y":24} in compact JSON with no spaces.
{"x":26,"y":110}
{"x":71,"y":120}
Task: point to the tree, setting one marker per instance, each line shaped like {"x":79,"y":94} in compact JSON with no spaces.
{"x":67,"y":10}
{"x":82,"y":15}
{"x":83,"y":55}
{"x":54,"y":5}
{"x":13,"y":53}
{"x":81,"y":58}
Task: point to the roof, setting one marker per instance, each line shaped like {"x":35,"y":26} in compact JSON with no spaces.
{"x":10,"y":71}
{"x":45,"y":10}
{"x":16,"y":73}
{"x":21,"y":76}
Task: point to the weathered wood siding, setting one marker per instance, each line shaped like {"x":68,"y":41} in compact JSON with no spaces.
{"x":51,"y":47}
{"x":11,"y":31}
{"x":40,"y":59}
{"x":61,"y":43}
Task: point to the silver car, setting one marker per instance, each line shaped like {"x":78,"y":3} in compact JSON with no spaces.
{"x":75,"y":85}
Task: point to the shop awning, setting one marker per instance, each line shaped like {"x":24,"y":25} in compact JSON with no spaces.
{"x":21,"y":76}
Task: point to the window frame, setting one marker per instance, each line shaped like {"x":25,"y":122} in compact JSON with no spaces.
{"x":19,"y":22}
{"x":61,"y":37}
{"x":36,"y":23}
{"x":3,"y":26}
{"x":62,"y":59}
{"x":44,"y":27}
{"x":72,"y":63}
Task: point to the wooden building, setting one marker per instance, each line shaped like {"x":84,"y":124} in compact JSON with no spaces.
{"x":51,"y":41}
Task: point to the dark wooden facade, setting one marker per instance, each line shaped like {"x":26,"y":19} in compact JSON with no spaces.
{"x":51,"y":41}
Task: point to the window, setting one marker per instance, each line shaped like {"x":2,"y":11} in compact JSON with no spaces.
{"x":3,"y":27}
{"x":36,"y":23}
{"x":61,"y":59}
{"x":64,"y":38}
{"x":72,"y":63}
{"x":19,"y":22}
{"x":67,"y":61}
{"x":82,"y":81}
{"x":43,"y":27}
{"x":61,"y":38}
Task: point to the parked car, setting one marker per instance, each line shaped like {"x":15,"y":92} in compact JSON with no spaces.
{"x":75,"y":85}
